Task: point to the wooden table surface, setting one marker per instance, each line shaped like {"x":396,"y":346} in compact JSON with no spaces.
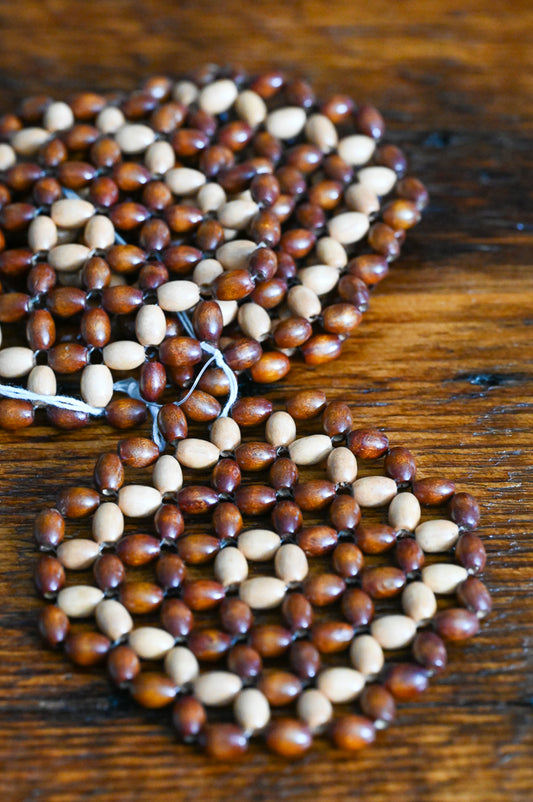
{"x":442,"y":361}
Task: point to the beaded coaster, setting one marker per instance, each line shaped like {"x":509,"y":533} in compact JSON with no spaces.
{"x":265,"y":214}
{"x":264,"y":582}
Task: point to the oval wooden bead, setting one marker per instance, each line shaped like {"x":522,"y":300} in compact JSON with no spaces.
{"x":382,"y":581}
{"x":356,"y":149}
{"x":310,"y":450}
{"x":470,"y":552}
{"x":123,"y":665}
{"x":473,"y":594}
{"x":367,"y":443}
{"x":375,"y":538}
{"x":107,"y":523}
{"x":160,"y":157}
{"x":86,"y":648}
{"x":42,"y":380}
{"x":254,"y":456}
{"x":348,"y":227}
{"x":16,"y":361}
{"x":456,"y":624}
{"x":138,"y":501}
{"x":96,"y":385}
{"x":342,"y":466}
{"x":351,"y":732}
{"x":150,"y":325}
{"x":259,"y":545}
{"x":140,"y":598}
{"x":374,"y":491}
{"x":313,"y":495}
{"x":178,"y":296}
{"x":136,"y":550}
{"x":69,"y":257}
{"x":113,"y":619}
{"x":53,"y":625}
{"x":262,"y":592}
{"x":340,"y":685}
{"x":197,"y":454}
{"x":15,"y":413}
{"x":71,"y":212}
{"x":218,"y":96}
{"x":367,"y":655}
{"x":225,"y":434}
{"x":304,"y":302}
{"x":77,"y":554}
{"x":409,"y":555}
{"x":123,"y":355}
{"x":230,"y":567}
{"x":272,"y":366}
{"x":217,"y":688}
{"x":429,"y":650}
{"x":251,"y":710}
{"x":184,"y":181}
{"x":49,"y":576}
{"x":150,"y":643}
{"x":404,"y":512}
{"x":291,"y":563}
{"x":378,"y":178}
{"x":433,"y":491}
{"x":288,"y":737}
{"x":79,"y":601}
{"x":393,"y":631}
{"x":153,"y":689}
{"x":254,"y":321}
{"x":49,"y":529}
{"x":251,"y":107}
{"x":181,"y":665}
{"x":436,"y":535}
{"x":134,"y":137}
{"x":443,"y":578}
{"x":406,"y":681}
{"x":280,"y":429}
{"x":315,"y":709}
{"x":317,"y":540}
{"x":42,"y":233}
{"x":323,"y":589}
{"x":321,"y":279}
{"x":464,"y":510}
{"x":77,"y":502}
{"x":224,"y":742}
{"x":419,"y":602}
{"x":167,"y":475}
{"x":286,"y":122}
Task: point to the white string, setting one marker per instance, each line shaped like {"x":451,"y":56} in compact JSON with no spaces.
{"x":61,"y":401}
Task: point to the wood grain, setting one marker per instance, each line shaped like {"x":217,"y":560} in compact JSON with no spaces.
{"x":442,"y":361}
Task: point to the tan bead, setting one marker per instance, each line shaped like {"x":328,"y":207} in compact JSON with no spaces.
{"x":254,"y":321}
{"x":437,"y":535}
{"x":167,"y":475}
{"x":374,"y":491}
{"x":251,"y":710}
{"x":360,"y":198}
{"x":79,"y":601}
{"x":217,"y":688}
{"x":160,"y":158}
{"x":286,"y":123}
{"x":181,"y":665}
{"x":77,"y":554}
{"x":16,"y":361}
{"x":138,"y":501}
{"x":367,"y":655}
{"x":99,"y":232}
{"x":123,"y":355}
{"x":236,"y":214}
{"x":342,"y":466}
{"x":58,"y":117}
{"x":71,"y":212}
{"x":262,"y":592}
{"x":42,"y":380}
{"x":251,"y":108}
{"x":234,"y":255}
{"x":280,"y":429}
{"x":177,"y":296}
{"x":321,"y":132}
{"x":356,"y":149}
{"x":321,"y":279}
{"x":443,"y":578}
{"x":150,"y":643}
{"x":205,"y":272}
{"x":419,"y":602}
{"x":310,"y":450}
{"x":134,"y":137}
{"x":185,"y":92}
{"x":218,"y":97}
{"x":348,"y":227}
{"x":230,"y":567}
{"x":225,"y":434}
{"x":229,"y":311}
{"x":42,"y":233}
{"x":7,"y":156}
{"x":380,"y":180}
{"x":259,"y":545}
{"x":184,"y":180}
{"x":113,"y":619}
{"x":108,"y":523}
{"x":69,"y":257}
{"x":303,"y":302}
{"x":150,"y":325}
{"x":331,"y":252}
{"x":210,"y":197}
{"x":315,"y":709}
{"x":27,"y":141}
{"x":96,"y":385}
{"x":340,"y":685}
{"x":404,"y":512}
{"x":109,"y":120}
{"x":197,"y":454}
{"x":393,"y":631}
{"x":290,"y":563}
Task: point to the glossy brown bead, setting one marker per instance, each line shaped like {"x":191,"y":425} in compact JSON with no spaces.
{"x":347,"y":560}
{"x":207,"y":321}
{"x":181,"y":259}
{"x":391,"y":156}
{"x":22,"y":176}
{"x":297,"y":612}
{"x":242,"y":353}
{"x":156,"y":196}
{"x":306,"y":404}
{"x":153,"y":689}
{"x":108,"y":473}
{"x":370,"y":268}
{"x":354,"y":291}
{"x":53,"y":625}
{"x":473,"y":594}
{"x":413,"y":190}
{"x":470,"y":553}
{"x":67,"y":357}
{"x":124,"y":259}
{"x":80,"y":137}
{"x":381,"y":238}
{"x":123,"y":665}
{"x":202,"y":594}
{"x":378,"y":704}
{"x":314,"y":495}
{"x":429,"y":651}
{"x":86,"y":105}
{"x":401,"y":214}
{"x":15,"y":261}
{"x":271,"y":367}
{"x":305,"y":660}
{"x":49,"y":529}
{"x":357,"y":607}
{"x":87,"y":648}
{"x":125,"y":413}
{"x":317,"y":540}
{"x":265,"y":189}
{"x":367,"y":443}
{"x":345,"y":513}
{"x":121,"y":300}
{"x":287,"y":518}
{"x":270,"y":640}
{"x":49,"y":576}
{"x":224,"y":741}
{"x":292,"y":332}
{"x":433,"y":491}
{"x":66,"y":418}
{"x":227,"y":520}
{"x":172,"y":423}
{"x":95,"y":327}
{"x":464,"y":510}
{"x":152,"y":380}
{"x":283,"y":473}
{"x":265,"y":228}
{"x":255,"y":456}
{"x":170,"y":571}
{"x":136,"y":550}
{"x":409,"y":555}
{"x":77,"y":502}
{"x":233,"y":285}
{"x":130,"y":176}
{"x":321,"y":348}
{"x":137,"y":451}
{"x":226,"y":476}
{"x":279,"y":687}
{"x":41,"y":278}
{"x":400,"y":465}
{"x":251,"y":411}
{"x":15,"y":414}
{"x":108,"y":571}
{"x":198,"y":548}
{"x":188,"y":142}
{"x":154,"y":234}
{"x":95,"y":274}
{"x":255,"y":500}
{"x":456,"y":624}
{"x":375,"y":538}
{"x":104,"y":192}
{"x":297,"y":242}
{"x":351,"y":732}
{"x":323,"y":589}
{"x":210,"y":644}
{"x":269,"y":294}
{"x":140,"y":598}
{"x":245,"y":661}
{"x":338,"y":108}
{"x":180,"y":351}
{"x":16,"y":216}
{"x":13,"y":306}
{"x":337,"y":169}
{"x":382,"y":582}
{"x":176,"y":618}
{"x":288,"y":737}
{"x":331,"y":637}
{"x":196,"y":499}
{"x":201,"y":407}
{"x":236,"y":617}
{"x":188,"y":717}
{"x":406,"y":681}
{"x":169,"y":523}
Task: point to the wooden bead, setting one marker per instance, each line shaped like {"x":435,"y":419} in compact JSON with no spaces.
{"x":341,"y":466}
{"x":153,"y":689}
{"x":288,"y":737}
{"x":77,"y":554}
{"x":470,"y":552}
{"x":197,"y":454}
{"x":378,"y":704}
{"x":138,"y":501}
{"x":443,"y":578}
{"x":181,"y":665}
{"x":259,"y":545}
{"x":16,"y":361}
{"x":436,"y":535}
{"x":217,"y":688}
{"x":464,"y":510}
{"x":49,"y":529}
{"x":323,"y":589}
{"x":374,"y":491}
{"x":262,"y":592}
{"x":86,"y":648}
{"x":53,"y":625}
{"x":393,"y":631}
{"x":382,"y":581}
{"x":113,"y":619}
{"x":230,"y":567}
{"x":406,"y":681}
{"x":107,"y":523}
{"x":375,"y":538}
{"x":340,"y":685}
{"x":150,"y":643}
{"x":79,"y":601}
{"x":251,"y":710}
{"x":224,"y":741}
{"x":188,"y":717}
{"x":317,"y":540}
{"x":351,"y":732}
{"x":16,"y":413}
{"x":96,"y":385}
{"x":77,"y":502}
{"x":367,"y":655}
{"x":167,"y":475}
{"x":123,"y":665}
{"x":49,"y":576}
{"x":433,"y":491}
{"x":367,"y":443}
{"x":429,"y":650}
{"x":291,"y":563}
{"x":418,"y":601}
{"x":123,"y":355}
{"x":310,"y":450}
{"x":473,"y":594}
{"x":404,"y":512}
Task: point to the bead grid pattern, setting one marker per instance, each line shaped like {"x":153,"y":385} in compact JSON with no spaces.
{"x":264,"y":214}
{"x":289,"y":577}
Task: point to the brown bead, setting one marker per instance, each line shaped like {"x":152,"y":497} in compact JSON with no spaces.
{"x":265,"y":228}
{"x":288,"y":737}
{"x":226,"y":476}
{"x":348,"y":560}
{"x":367,"y":443}
{"x":23,"y":175}
{"x":337,"y":169}
{"x":331,"y":637}
{"x":297,"y":612}
{"x":67,"y":357}
{"x":251,"y":411}
{"x":433,"y":491}
{"x":137,"y":451}
{"x":245,"y":661}
{"x":354,"y":291}
{"x":41,"y":278}
{"x":87,"y":648}
{"x":202,"y":594}
{"x":154,"y":234}
{"x":241,"y":354}
{"x":370,"y":122}
{"x":16,"y":216}
{"x":409,"y":555}
{"x":124,"y":259}
{"x":305,"y":660}
{"x":15,"y":414}
{"x":66,"y":418}
{"x":49,"y":576}
{"x":49,"y":529}
{"x":125,"y":413}
{"x":306,"y":404}
{"x":156,"y":196}
{"x":345,"y":513}
{"x":209,"y":235}
{"x":214,"y":381}
{"x":370,"y":268}
{"x":279,"y":687}
{"x":305,"y":158}
{"x":270,"y":640}
{"x":255,"y":500}
{"x":152,"y":380}
{"x":224,"y":741}
{"x":108,"y":473}
{"x":401,"y":214}
{"x":236,"y":617}
{"x":292,"y":332}
{"x":181,"y":259}
{"x":140,"y":598}
{"x":406,"y":681}
{"x":53,"y":625}
{"x":268,"y":84}
{"x":382,"y":239}
{"x":182,"y":218}
{"x":378,"y":704}
{"x":135,"y":550}
{"x":153,"y":689}
{"x":357,"y":607}
{"x":201,"y":407}
{"x":314,"y":495}
{"x":168,"y":522}
{"x":464,"y":510}
{"x":95,"y":274}
{"x":321,"y":349}
{"x":271,"y":367}
{"x":196,"y":499}
{"x":268,"y":294}
{"x":283,"y":473}
{"x":188,"y":717}
{"x":297,"y":242}
{"x":13,"y":306}
{"x":400,"y":465}
{"x":391,"y":156}
{"x":414,"y":190}
{"x":109,"y":571}
{"x":227,"y":520}
{"x":338,"y":108}
{"x":429,"y":650}
{"x":170,"y":571}
{"x":16,"y":261}
{"x":207,"y":321}
{"x":77,"y":502}
{"x":172,"y":423}
{"x":351,"y":732}
{"x":456,"y":624}
{"x":180,"y":351}
{"x":121,"y":300}
{"x":86,"y":105}
{"x":95,"y":327}
{"x":337,"y":419}
{"x":375,"y":538}
{"x":255,"y":456}
{"x":123,"y":665}
{"x":80,"y":137}
{"x":176,"y":618}
{"x":287,"y":518}
{"x":473,"y":594}
{"x":209,"y":644}
{"x":234,"y":285}
{"x":265,"y":190}
{"x":323,"y":589}
{"x":470,"y":553}
{"x":197,"y":549}
{"x":382,"y":582}
{"x":317,"y":540}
